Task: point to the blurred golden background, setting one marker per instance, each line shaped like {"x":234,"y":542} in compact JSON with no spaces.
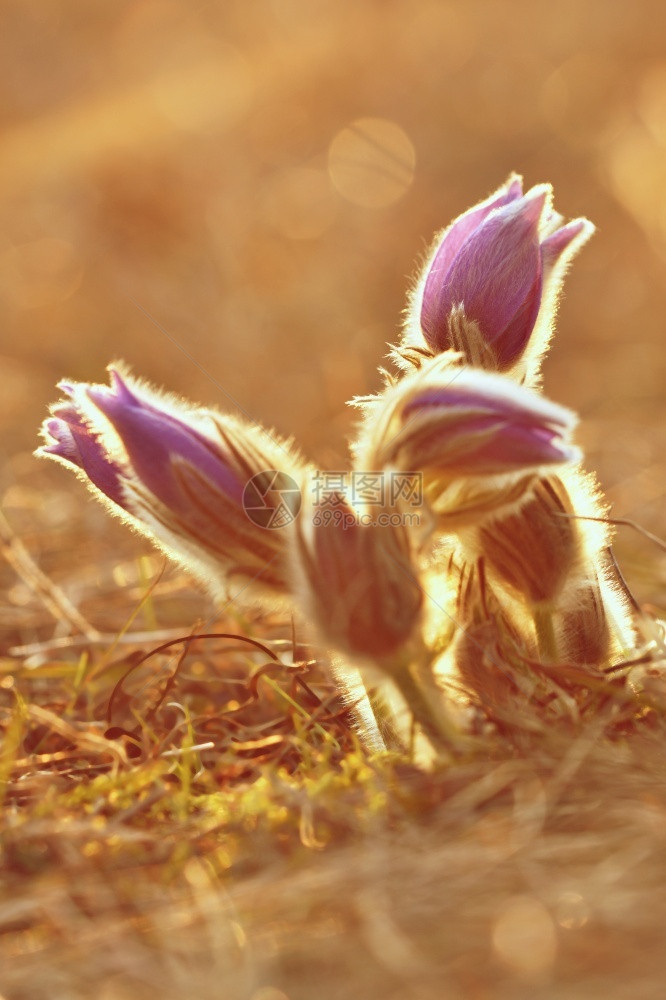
{"x":255,"y":182}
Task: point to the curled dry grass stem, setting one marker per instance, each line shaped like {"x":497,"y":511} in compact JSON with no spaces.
{"x":167,"y":645}
{"x":622,"y":522}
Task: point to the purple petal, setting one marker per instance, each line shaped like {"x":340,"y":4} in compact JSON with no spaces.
{"x":554,"y":245}
{"x":481,"y":424}
{"x":152,"y":438}
{"x":459,"y":231}
{"x":474,"y":393}
{"x":516,"y":447}
{"x":495,"y":270}
{"x":75,"y":443}
{"x":64,"y":445}
{"x":488,"y":446}
{"x":512,"y":341}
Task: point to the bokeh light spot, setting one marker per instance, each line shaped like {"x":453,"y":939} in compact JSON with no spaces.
{"x":371,"y":162}
{"x":524,"y":937}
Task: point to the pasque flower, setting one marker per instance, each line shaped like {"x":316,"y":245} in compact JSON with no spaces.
{"x":506,"y":506}
{"x":477,"y":438}
{"x":491,"y":285}
{"x":177,"y":472}
{"x":490,"y":291}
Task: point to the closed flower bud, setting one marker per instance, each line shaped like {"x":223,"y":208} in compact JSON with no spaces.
{"x":356,"y":580}
{"x":178,"y":474}
{"x":533,"y":548}
{"x":479,"y":439}
{"x":554,"y":559}
{"x":490,"y":287}
{"x":360,"y":588}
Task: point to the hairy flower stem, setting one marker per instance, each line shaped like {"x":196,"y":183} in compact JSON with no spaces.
{"x":545,"y":631}
{"x":423,"y":697}
{"x":385,"y":722}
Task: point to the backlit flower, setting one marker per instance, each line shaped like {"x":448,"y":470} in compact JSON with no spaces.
{"x":478,"y":439}
{"x":179,"y":474}
{"x":356,"y":580}
{"x":490,"y":287}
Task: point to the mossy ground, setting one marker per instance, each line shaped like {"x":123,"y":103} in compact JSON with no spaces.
{"x":206,"y":822}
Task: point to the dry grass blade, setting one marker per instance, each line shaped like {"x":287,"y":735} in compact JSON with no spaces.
{"x":54,"y":600}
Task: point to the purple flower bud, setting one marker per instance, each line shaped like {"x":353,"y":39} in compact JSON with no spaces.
{"x":475,"y":436}
{"x":155,"y":440}
{"x":495,"y":275}
{"x":179,"y":474}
